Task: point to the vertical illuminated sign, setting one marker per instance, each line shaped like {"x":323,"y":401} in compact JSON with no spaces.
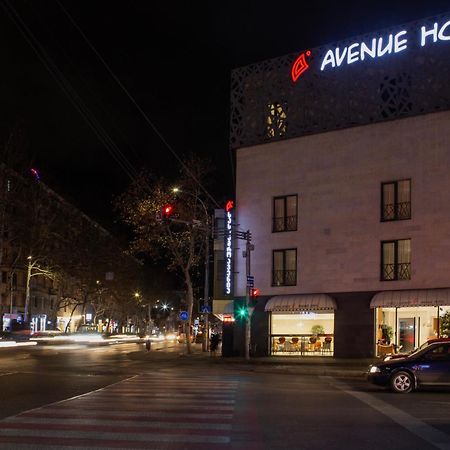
{"x":228,"y":236}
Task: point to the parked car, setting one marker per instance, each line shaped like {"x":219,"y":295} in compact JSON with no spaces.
{"x":424,"y":345}
{"x":429,"y":366}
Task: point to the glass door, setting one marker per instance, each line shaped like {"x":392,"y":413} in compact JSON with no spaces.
{"x":407,"y":331}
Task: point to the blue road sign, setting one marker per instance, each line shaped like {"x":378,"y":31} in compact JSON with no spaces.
{"x":206,"y":309}
{"x":184,"y":315}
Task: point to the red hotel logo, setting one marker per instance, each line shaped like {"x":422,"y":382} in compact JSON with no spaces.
{"x":300,"y":66}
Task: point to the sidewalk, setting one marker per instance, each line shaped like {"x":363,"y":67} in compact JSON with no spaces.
{"x":335,"y":367}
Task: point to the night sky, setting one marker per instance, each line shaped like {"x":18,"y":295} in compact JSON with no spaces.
{"x":174,"y":58}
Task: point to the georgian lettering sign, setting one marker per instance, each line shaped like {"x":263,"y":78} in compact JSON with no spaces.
{"x":228,"y":236}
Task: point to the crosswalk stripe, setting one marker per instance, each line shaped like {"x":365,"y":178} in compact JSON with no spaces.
{"x":119,"y":415}
{"x":191,"y":401}
{"x":168,"y":394}
{"x":144,"y":407}
{"x":140,"y":412}
{"x":129,"y":436}
{"x":24,"y":421}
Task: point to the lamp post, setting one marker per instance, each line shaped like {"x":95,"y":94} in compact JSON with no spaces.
{"x":207,"y":229}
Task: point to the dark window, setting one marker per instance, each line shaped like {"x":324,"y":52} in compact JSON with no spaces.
{"x":276,"y":120}
{"x":396,"y":260}
{"x":51,"y":303}
{"x":441,"y":353}
{"x":14,"y":280}
{"x":35,"y":302}
{"x":284,"y":213}
{"x":284,"y":267}
{"x":4,"y":277}
{"x":396,"y":200}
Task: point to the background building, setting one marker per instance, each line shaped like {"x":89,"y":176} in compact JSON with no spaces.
{"x":342,"y":157}
{"x":59,"y":268}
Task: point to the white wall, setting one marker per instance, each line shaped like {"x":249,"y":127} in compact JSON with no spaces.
{"x":337,"y":176}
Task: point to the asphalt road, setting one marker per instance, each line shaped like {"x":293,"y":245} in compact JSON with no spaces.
{"x":124,"y":397}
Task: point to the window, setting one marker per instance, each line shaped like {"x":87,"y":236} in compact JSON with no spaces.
{"x":396,"y":200}
{"x":14,"y":280}
{"x":284,"y":264}
{"x":284,"y":213}
{"x":396,"y":260}
{"x":441,"y":353}
{"x":4,"y":277}
{"x":276,"y":120}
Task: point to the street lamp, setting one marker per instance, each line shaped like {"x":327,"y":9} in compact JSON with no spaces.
{"x":205,"y":343}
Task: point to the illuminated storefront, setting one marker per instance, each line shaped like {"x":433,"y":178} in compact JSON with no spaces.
{"x":301,"y":325}
{"x":405,"y":320}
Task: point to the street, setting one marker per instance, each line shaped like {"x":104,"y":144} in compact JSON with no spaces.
{"x":124,"y":397}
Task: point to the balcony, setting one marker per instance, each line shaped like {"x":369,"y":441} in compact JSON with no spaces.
{"x":396,"y":211}
{"x":286,"y":223}
{"x":284,"y":278}
{"x":399,"y":271}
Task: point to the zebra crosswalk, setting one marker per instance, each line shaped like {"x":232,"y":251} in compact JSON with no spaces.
{"x":151,"y":411}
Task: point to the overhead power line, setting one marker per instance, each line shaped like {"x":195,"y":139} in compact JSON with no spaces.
{"x":135,"y":103}
{"x":69,"y":91}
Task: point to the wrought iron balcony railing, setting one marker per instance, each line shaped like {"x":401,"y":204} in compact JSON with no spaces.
{"x":284,"y":278}
{"x":285,"y":223}
{"x":396,"y":211}
{"x":400,"y":271}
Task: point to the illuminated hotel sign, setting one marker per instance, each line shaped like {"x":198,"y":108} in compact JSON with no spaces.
{"x":228,"y":235}
{"x":376,"y":47}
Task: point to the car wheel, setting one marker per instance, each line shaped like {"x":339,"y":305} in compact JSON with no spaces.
{"x":402,"y":382}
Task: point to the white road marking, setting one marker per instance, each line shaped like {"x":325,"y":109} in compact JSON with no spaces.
{"x":416,"y":426}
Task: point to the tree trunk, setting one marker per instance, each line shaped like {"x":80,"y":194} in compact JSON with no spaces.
{"x":190,"y":304}
{"x":27,"y":293}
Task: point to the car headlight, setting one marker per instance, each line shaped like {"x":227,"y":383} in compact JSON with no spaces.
{"x":374,"y":369}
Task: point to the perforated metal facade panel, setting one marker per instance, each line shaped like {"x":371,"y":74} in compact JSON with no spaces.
{"x":411,"y":82}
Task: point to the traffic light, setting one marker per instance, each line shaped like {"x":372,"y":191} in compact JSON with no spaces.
{"x":167,"y":211}
{"x":242,"y":312}
{"x":254,"y":293}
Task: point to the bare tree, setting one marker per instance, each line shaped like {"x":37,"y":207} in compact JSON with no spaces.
{"x":179,"y":240}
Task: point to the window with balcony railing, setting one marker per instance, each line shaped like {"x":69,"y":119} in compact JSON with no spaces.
{"x":396,"y":260}
{"x":396,"y":200}
{"x":284,"y":213}
{"x":284,"y":267}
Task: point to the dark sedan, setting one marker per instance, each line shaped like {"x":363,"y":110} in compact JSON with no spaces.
{"x":424,"y":367}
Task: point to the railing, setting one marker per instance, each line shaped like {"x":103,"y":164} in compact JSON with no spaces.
{"x":284,"y":278}
{"x":400,"y":271}
{"x":285,"y":223}
{"x":397,"y":211}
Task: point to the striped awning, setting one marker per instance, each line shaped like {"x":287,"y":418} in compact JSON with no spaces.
{"x":229,"y":308}
{"x":300,"y":302}
{"x":420,"y":297}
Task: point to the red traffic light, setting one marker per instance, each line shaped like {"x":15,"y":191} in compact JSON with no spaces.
{"x":254,"y":292}
{"x":167,"y":210}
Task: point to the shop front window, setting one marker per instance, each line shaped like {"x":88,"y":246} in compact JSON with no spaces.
{"x":404,"y":329}
{"x":306,"y":333}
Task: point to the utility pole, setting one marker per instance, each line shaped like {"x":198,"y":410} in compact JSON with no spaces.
{"x":249,"y":247}
{"x":206,"y":293}
{"x":209,"y":229}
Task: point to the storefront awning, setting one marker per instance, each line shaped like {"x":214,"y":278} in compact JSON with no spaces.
{"x":300,"y":302}
{"x":402,"y":299}
{"x":229,"y":308}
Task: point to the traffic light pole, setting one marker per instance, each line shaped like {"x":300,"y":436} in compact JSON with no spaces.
{"x":248,"y":249}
